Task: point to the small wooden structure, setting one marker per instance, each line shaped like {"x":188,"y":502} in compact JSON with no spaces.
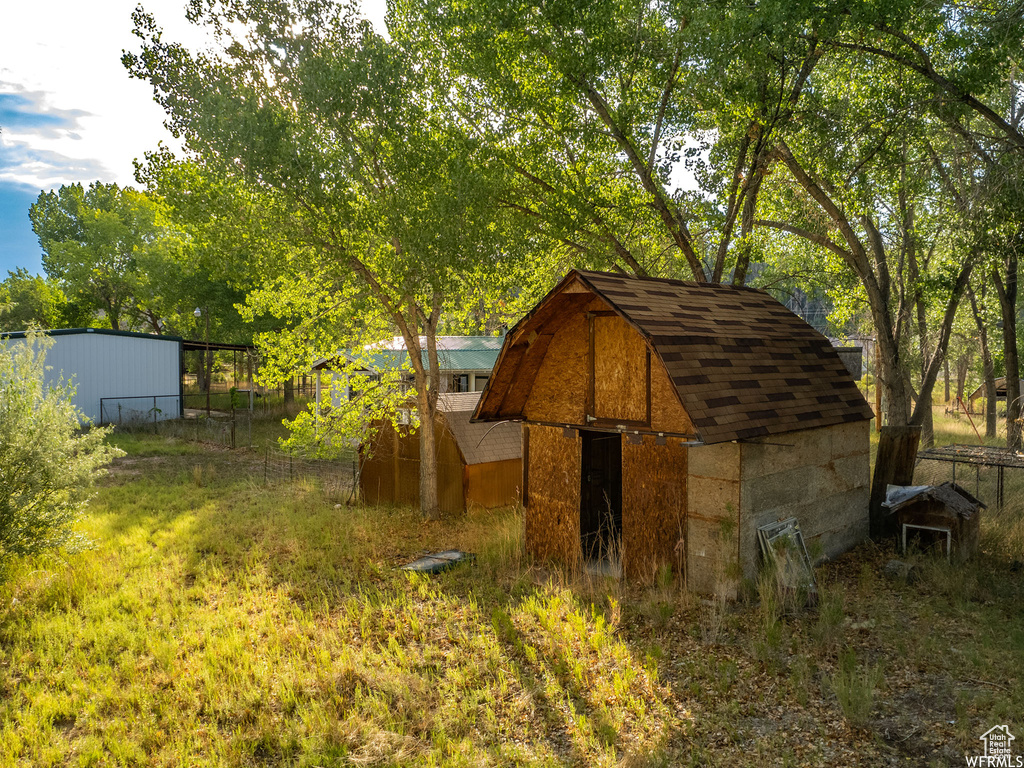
{"x":665,"y":421}
{"x":946,"y":516}
{"x":478,"y":465}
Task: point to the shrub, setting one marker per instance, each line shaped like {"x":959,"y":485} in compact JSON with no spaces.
{"x":47,"y":464}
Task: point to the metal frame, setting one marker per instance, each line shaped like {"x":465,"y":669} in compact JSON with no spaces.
{"x":947,"y":531}
{"x":979,"y":456}
{"x":140,"y":397}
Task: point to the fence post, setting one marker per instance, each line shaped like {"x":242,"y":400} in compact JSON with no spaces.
{"x":155,"y":432}
{"x":232,"y":424}
{"x":118,"y":414}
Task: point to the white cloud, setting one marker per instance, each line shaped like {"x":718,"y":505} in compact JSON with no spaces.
{"x":62,"y":59}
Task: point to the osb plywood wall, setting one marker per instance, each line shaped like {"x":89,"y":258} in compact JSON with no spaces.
{"x":494,"y":484}
{"x":653,"y":506}
{"x":620,"y":370}
{"x":391,"y":473}
{"x":667,"y":413}
{"x":819,"y":476}
{"x":713,"y":519}
{"x":559,"y":389}
{"x":553,"y":494}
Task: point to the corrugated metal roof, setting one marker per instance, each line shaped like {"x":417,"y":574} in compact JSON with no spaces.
{"x":454,"y":353}
{"x":956,"y":499}
{"x":98,"y":331}
{"x":742,"y":364}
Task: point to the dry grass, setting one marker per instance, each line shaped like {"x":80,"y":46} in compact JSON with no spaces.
{"x":221,"y":622}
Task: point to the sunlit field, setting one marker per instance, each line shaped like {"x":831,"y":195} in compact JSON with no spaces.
{"x":221,"y":621}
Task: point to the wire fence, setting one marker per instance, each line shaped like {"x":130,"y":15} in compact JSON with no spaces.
{"x":231,"y":430}
{"x":335,"y":477}
{"x":228,"y":430}
{"x":139,"y":412}
{"x":1001,"y":488}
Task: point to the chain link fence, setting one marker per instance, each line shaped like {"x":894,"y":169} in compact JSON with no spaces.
{"x":1001,"y":488}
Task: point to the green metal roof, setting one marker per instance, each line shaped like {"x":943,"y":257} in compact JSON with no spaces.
{"x":454,"y":353}
{"x":447,"y":359}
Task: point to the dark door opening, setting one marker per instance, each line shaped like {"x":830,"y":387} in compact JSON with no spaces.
{"x":601,"y":495}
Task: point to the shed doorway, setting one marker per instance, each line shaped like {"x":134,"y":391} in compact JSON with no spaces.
{"x":601,"y":496}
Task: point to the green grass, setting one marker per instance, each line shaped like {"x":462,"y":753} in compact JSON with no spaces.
{"x":218,"y":621}
{"x":225,"y":623}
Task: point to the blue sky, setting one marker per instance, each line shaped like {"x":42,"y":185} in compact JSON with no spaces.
{"x":18,"y":244}
{"x":68,"y":110}
{"x":26,"y":115}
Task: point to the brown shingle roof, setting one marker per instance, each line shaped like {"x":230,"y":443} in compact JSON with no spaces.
{"x":480,"y":443}
{"x":742,"y":364}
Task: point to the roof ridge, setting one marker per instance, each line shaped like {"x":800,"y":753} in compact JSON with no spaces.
{"x":673,"y":281}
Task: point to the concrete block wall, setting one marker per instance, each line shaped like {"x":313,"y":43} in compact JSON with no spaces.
{"x":713,"y":518}
{"x":819,"y":476}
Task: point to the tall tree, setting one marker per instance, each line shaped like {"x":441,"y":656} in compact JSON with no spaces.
{"x":596,"y":108}
{"x":101,"y":243}
{"x":870,"y":199}
{"x":981,"y":319}
{"x":37,"y":302}
{"x":380,"y":195}
{"x":966,"y":61}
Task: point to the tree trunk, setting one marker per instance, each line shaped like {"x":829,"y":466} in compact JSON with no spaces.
{"x":945,"y":378}
{"x":209,"y":371}
{"x":894,"y":465}
{"x":1008,"y":305}
{"x":928,"y":425}
{"x":426,"y":379}
{"x":201,"y":372}
{"x":430,"y":506}
{"x":988,"y":366}
{"x":895,"y":390}
{"x":289,"y":390}
{"x":927,"y":418}
{"x":963,"y":364}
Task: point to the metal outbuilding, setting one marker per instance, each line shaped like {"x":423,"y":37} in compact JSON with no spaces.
{"x":118,"y":375}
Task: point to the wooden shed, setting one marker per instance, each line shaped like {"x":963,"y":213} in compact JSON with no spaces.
{"x":478,"y":465}
{"x":945,"y":516}
{"x":664,"y":421}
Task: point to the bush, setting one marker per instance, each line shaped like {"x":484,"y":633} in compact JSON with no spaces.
{"x":47,"y":465}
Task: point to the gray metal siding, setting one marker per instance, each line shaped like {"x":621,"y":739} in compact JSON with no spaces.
{"x":105,"y":366}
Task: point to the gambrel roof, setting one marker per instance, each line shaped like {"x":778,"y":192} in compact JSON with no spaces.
{"x":742,"y":364}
